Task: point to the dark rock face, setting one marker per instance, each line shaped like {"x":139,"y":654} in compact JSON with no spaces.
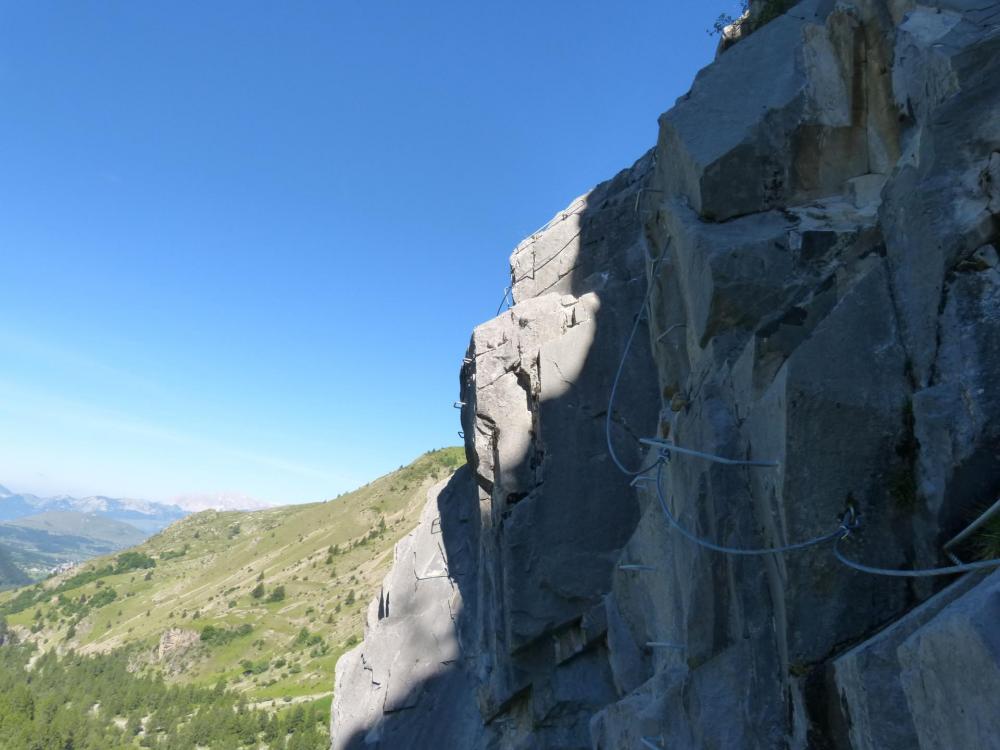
{"x":894,"y":687}
{"x":410,"y":683}
{"x":817,"y":234}
{"x":555,"y":511}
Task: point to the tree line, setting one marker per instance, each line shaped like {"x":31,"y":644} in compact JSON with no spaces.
{"x":77,"y":702}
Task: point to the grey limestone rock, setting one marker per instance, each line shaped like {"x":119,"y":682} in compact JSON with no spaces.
{"x":816,"y":233}
{"x":951,"y":672}
{"x":409,"y":684}
{"x":929,"y":680}
{"x":555,"y":512}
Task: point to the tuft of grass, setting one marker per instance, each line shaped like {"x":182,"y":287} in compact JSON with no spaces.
{"x":986,"y":541}
{"x":903,"y":488}
{"x":903,"y":480}
{"x":799,"y":669}
{"x":771,"y":10}
{"x":765,"y":13}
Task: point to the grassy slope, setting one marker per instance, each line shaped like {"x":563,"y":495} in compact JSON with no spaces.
{"x":40,"y":542}
{"x":211,"y":584}
{"x":90,"y":525}
{"x":10,"y":574}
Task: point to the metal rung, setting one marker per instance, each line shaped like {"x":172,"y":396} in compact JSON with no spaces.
{"x":665,"y":644}
{"x":651,"y":743}
{"x":632,"y":566}
{"x":461,"y":434}
{"x":458,"y":404}
{"x":428,"y":578}
{"x":670,"y":330}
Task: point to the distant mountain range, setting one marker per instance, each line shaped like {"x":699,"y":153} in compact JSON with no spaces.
{"x":218,"y":501}
{"x":39,"y":534}
{"x":38,"y":544}
{"x":144,"y":515}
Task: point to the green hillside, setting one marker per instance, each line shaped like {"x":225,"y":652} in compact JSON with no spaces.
{"x":266,"y":600}
{"x":98,"y":702}
{"x":10,"y":574}
{"x":90,"y":525}
{"x":39,"y":543}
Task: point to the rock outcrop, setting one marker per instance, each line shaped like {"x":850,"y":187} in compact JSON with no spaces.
{"x":172,"y":651}
{"x":175,"y":640}
{"x":812,"y":247}
{"x":930,"y":679}
{"x":555,"y":511}
{"x":411,"y":684}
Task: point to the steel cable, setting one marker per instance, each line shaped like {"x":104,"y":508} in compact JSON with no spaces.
{"x":842,"y":530}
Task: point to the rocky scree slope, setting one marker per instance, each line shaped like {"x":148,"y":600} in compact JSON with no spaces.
{"x":816,"y":232}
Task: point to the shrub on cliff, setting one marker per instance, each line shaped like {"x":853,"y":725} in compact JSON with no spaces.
{"x":127,"y":561}
{"x":751,"y":16}
{"x":219,"y":636}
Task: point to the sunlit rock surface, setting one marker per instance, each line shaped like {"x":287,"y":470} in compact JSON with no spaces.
{"x":817,"y":230}
{"x":409,"y":683}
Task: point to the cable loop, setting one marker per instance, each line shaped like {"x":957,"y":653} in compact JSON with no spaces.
{"x":618,"y":376}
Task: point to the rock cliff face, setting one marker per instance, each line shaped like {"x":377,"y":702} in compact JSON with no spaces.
{"x":812,"y":249}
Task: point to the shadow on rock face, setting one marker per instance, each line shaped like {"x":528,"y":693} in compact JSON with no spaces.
{"x":408,"y":684}
{"x":508,"y":644}
{"x":827,"y":300}
{"x":555,"y":509}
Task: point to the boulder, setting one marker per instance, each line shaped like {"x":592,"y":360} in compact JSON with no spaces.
{"x":930,"y":679}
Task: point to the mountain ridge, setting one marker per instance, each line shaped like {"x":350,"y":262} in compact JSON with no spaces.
{"x":147,"y":515}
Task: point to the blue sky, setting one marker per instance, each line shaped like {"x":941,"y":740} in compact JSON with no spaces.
{"x":243,"y":245}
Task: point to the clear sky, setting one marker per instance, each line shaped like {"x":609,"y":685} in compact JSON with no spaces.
{"x":243,"y":244}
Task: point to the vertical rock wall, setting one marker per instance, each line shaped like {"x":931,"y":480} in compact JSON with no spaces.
{"x":826,"y":300}
{"x":555,"y":511}
{"x":817,"y":234}
{"x":408,"y":684}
